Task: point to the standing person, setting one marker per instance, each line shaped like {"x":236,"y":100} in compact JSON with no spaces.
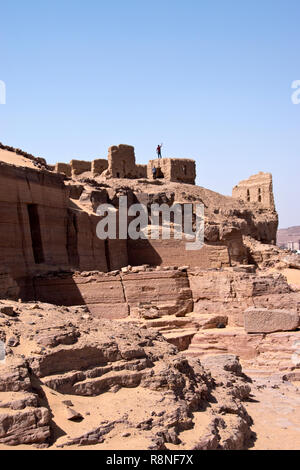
{"x":158,"y":151}
{"x":154,"y":173}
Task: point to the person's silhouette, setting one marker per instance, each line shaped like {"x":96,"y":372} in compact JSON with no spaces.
{"x":158,"y":151}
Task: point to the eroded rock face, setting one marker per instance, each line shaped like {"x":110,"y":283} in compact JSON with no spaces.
{"x":68,"y":352}
{"x":120,"y":294}
{"x":262,"y":320}
{"x":264,"y":353}
{"x":231,"y":292}
{"x":9,"y":289}
{"x":292,"y":261}
{"x":22,"y":419}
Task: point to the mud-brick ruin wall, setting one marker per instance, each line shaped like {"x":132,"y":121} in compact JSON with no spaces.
{"x":64,"y":168}
{"x":77,"y":167}
{"x":258,"y":189}
{"x":141,"y":171}
{"x":33,"y":209}
{"x":98,"y":166}
{"x":178,"y":170}
{"x":80,"y":166}
{"x":121,"y":162}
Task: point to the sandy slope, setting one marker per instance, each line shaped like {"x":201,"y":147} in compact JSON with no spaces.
{"x":293,"y":276}
{"x":14,"y":159}
{"x":275,"y":412}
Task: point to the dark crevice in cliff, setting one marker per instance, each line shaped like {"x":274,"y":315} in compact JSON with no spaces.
{"x":36,"y":236}
{"x":72,"y":239}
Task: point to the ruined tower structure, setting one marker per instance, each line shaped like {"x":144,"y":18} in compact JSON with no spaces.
{"x":121,"y":162}
{"x":258,"y":189}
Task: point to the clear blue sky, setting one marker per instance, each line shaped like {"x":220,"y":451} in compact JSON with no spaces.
{"x":210,"y":79}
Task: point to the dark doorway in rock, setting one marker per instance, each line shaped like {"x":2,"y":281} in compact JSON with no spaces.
{"x":159,"y":173}
{"x":36,"y":237}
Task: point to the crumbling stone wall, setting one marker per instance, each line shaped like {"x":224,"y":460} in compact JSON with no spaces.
{"x":80,"y":166}
{"x":257,"y":189}
{"x":180,"y":170}
{"x":98,"y":166}
{"x":63,"y":168}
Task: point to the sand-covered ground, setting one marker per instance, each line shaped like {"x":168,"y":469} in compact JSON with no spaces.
{"x":14,"y":159}
{"x":293,"y":276}
{"x":275,"y":413}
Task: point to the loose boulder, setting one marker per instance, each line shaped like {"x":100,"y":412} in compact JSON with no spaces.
{"x":263,"y":320}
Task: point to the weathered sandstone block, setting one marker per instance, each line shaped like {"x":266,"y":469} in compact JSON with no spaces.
{"x":262,"y":320}
{"x":25,"y":427}
{"x":231,"y":293}
{"x":114,"y":296}
{"x":271,"y":352}
{"x":75,"y":191}
{"x":102,"y":294}
{"x":168,"y":291}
